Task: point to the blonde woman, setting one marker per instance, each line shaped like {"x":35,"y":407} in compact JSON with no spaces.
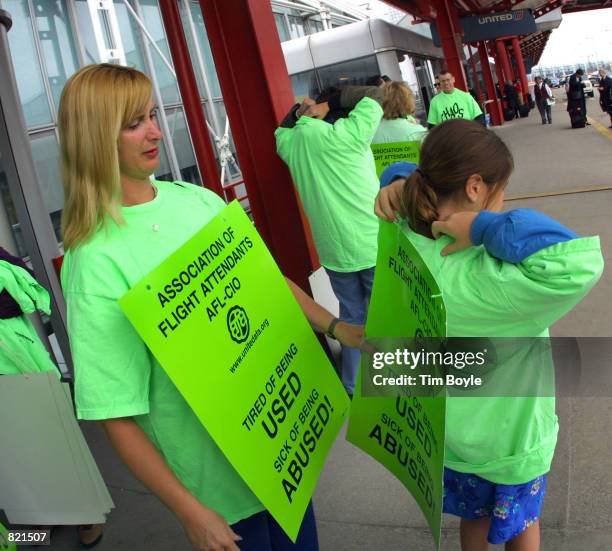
{"x":398,"y":123}
{"x":118,"y":225}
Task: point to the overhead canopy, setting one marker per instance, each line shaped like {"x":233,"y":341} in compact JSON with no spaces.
{"x":547,"y":14}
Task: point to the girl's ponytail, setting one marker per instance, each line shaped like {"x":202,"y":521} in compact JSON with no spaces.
{"x":420,"y":203}
{"x":451,"y":153}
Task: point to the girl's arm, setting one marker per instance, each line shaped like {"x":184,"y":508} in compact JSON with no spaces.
{"x":205,"y":529}
{"x":320,"y":320}
{"x":510,"y":236}
{"x":546,"y":270}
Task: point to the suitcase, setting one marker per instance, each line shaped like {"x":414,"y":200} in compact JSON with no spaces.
{"x":524,"y":111}
{"x":508,"y":114}
{"x":577,"y":118}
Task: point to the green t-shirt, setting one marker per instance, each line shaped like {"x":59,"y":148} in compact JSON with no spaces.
{"x":20,"y":348}
{"x":333,"y":169}
{"x":115,"y":373}
{"x":399,"y":130}
{"x":457,"y":105}
{"x":508,"y":440}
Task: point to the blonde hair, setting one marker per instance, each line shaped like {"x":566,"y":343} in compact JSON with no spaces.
{"x":97,"y":102}
{"x":398,"y":101}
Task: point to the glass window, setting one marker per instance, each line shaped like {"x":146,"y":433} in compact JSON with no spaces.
{"x":164,"y":172}
{"x":152,"y":19}
{"x":129,"y":38}
{"x":27,"y":65}
{"x":356,"y":72}
{"x":281,"y":26}
{"x":209,"y":64}
{"x":182,"y":145}
{"x":304,"y":85}
{"x":45,"y":152}
{"x":315,"y":26}
{"x":87,"y":32}
{"x":56,"y":43}
{"x":296,"y":26}
{"x":10,"y":232}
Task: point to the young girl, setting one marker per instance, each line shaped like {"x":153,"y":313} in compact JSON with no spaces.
{"x":513,"y":274}
{"x":118,"y":225}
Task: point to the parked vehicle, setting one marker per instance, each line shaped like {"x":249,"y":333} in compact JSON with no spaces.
{"x":586,"y":85}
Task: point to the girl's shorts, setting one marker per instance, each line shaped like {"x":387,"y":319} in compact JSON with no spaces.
{"x":512,"y":508}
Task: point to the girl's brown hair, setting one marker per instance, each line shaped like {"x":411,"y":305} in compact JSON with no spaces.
{"x":450,"y":154}
{"x":398,"y":101}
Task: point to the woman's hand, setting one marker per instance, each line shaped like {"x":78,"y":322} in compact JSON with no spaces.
{"x":389,"y":200}
{"x":349,"y":334}
{"x":457,"y":226}
{"x":208,"y":531}
{"x":352,"y":335}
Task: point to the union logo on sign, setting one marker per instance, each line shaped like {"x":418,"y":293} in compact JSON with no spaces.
{"x":519,"y":14}
{"x":238,"y":324}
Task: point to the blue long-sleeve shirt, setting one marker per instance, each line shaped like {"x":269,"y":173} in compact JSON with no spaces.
{"x":514,"y":235}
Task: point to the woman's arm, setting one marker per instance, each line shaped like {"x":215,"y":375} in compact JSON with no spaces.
{"x":320,"y":320}
{"x":205,"y":529}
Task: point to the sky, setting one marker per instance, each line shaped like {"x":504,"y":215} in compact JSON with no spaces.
{"x":581,"y":37}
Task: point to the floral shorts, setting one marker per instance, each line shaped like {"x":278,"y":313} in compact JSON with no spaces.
{"x":512,"y":508}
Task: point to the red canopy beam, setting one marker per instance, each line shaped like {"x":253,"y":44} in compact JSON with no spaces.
{"x":450,"y":38}
{"x":502,"y":56}
{"x":520,"y":67}
{"x":194,"y":111}
{"x":494,"y":108}
{"x":475,"y":75}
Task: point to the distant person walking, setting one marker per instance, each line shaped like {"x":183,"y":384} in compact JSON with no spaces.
{"x":452,"y":103}
{"x":543,"y":97}
{"x":605,"y":93}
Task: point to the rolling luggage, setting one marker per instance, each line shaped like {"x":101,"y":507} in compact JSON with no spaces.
{"x":509,"y":114}
{"x":524,"y":111}
{"x":577,"y":118}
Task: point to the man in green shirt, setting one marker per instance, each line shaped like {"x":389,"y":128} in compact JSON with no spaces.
{"x":326,"y":146}
{"x":452,"y":103}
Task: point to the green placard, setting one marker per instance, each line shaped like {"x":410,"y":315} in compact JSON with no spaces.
{"x":223,"y":323}
{"x":405,"y":432}
{"x":389,"y":153}
{"x":4,"y":543}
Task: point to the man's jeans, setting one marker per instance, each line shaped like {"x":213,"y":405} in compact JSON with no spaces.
{"x":353,"y":290}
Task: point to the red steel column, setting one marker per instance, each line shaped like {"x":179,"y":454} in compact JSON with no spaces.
{"x":502,"y":56}
{"x":475,"y":74}
{"x":257,"y":94}
{"x":450,"y":38}
{"x":194,"y":111}
{"x":499,"y":72}
{"x":495,"y":108}
{"x":520,"y":67}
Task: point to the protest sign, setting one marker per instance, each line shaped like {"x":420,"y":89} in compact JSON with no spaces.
{"x":389,"y":153}
{"x":404,"y":432}
{"x":5,"y":545}
{"x":221,"y":320}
